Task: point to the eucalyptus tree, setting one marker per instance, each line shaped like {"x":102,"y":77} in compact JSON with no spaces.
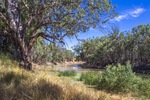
{"x":44,"y":52}
{"x":141,"y":35}
{"x":118,"y":47}
{"x":55,"y":18}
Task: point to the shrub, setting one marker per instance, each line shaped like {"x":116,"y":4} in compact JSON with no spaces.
{"x":119,"y":79}
{"x":67,"y":73}
{"x":144,"y":88}
{"x":77,"y":77}
{"x":90,"y":78}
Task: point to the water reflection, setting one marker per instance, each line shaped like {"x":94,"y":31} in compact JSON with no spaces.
{"x":76,"y":68}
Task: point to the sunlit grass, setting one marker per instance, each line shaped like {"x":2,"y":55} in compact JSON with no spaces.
{"x":17,"y":83}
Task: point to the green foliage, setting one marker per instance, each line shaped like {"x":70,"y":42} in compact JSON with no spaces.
{"x":87,"y":49}
{"x":67,"y":73}
{"x":91,"y":78}
{"x":117,"y":47}
{"x":53,"y":23}
{"x":43,"y":52}
{"x":119,"y":79}
{"x":78,"y":76}
{"x":144,"y":87}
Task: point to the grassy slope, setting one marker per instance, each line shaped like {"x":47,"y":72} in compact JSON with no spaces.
{"x":16,"y":83}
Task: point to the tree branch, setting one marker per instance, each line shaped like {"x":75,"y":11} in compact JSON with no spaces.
{"x":3,"y":17}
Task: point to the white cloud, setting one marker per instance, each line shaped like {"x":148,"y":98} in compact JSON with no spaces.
{"x":129,"y":14}
{"x":136,"y":12}
{"x":120,"y":17}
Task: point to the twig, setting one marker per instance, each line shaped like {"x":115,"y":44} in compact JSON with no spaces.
{"x":26,"y":95}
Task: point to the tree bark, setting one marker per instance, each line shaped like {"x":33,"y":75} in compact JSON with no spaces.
{"x":18,"y":33}
{"x":26,"y":61}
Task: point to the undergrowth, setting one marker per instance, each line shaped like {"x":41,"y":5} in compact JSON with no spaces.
{"x":67,"y":73}
{"x":90,"y":78}
{"x":118,"y":79}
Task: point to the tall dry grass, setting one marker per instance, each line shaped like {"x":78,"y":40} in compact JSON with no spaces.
{"x":19,"y":84}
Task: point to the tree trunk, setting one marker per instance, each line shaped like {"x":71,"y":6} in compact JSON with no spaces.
{"x":18,"y":32}
{"x":25,"y":58}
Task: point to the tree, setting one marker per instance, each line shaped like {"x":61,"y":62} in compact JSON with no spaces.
{"x":56,"y":18}
{"x":117,"y":47}
{"x":43,"y":52}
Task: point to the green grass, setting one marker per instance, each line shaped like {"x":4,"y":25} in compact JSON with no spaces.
{"x":91,"y":78}
{"x":78,"y":76}
{"x":68,"y":73}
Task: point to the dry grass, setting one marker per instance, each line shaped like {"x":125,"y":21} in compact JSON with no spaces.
{"x":19,"y":84}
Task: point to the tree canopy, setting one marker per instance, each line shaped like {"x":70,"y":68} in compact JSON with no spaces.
{"x":117,"y":47}
{"x":26,"y":20}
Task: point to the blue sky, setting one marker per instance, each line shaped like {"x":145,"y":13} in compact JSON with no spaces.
{"x":131,"y":13}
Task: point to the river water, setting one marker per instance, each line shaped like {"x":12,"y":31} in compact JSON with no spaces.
{"x":76,"y":68}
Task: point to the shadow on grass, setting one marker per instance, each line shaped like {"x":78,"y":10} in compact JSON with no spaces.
{"x":19,"y":87}
{"x":11,"y":77}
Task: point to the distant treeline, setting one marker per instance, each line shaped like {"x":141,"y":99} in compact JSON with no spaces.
{"x":117,"y":47}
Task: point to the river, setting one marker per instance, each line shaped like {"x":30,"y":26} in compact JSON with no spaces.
{"x":76,"y":67}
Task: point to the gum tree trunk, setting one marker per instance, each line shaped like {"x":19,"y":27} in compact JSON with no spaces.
{"x":25,"y":57}
{"x":18,"y":33}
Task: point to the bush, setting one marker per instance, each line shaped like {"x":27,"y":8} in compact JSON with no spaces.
{"x":119,"y":79}
{"x":144,"y":88}
{"x":67,"y":73}
{"x":91,"y":78}
{"x":116,"y":79}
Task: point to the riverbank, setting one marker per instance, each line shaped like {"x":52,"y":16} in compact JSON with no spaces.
{"x":44,"y":83}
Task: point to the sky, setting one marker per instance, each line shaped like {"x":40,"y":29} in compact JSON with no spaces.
{"x":131,"y":13}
